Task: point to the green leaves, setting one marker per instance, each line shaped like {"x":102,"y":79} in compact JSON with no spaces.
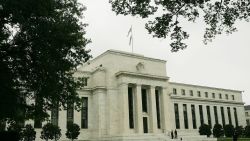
{"x":219,"y":16}
{"x":43,"y":53}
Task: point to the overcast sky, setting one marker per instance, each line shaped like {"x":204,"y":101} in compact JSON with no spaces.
{"x":224,"y":63}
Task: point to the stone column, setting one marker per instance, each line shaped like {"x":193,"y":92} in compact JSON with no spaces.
{"x":77,"y":117}
{"x":62,"y":119}
{"x":204,"y":109}
{"x":232,"y":116}
{"x":138,"y":110}
{"x":219,"y":115}
{"x":197,"y":114}
{"x":167,"y":110}
{"x":181,"y":115}
{"x":212,"y":116}
{"x":226,"y":116}
{"x":124,"y":108}
{"x":152,"y":110}
{"x":189,"y":113}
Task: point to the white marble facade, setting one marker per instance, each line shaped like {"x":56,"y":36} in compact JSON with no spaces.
{"x":119,"y":83}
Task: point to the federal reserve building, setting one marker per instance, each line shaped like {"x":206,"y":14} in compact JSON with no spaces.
{"x":130,"y":97}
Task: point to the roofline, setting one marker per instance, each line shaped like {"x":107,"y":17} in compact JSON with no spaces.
{"x":134,"y":55}
{"x":206,"y":87}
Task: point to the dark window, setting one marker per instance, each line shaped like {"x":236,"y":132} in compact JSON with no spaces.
{"x":37,"y":123}
{"x":145,"y":124}
{"x":220,"y":96}
{"x":213,"y":94}
{"x":174,"y":91}
{"x":157,"y":101}
{"x":191,"y":93}
{"x":226,"y":96}
{"x":84,"y":120}
{"x":206,"y":94}
{"x":185,"y":114}
{"x":70,"y":113}
{"x":209,"y":117}
{"x":216,"y":115}
{"x":193,"y":116}
{"x":55,"y":115}
{"x":232,"y":97}
{"x":201,"y":114}
{"x":199,"y":93}
{"x":229,"y":115}
{"x":144,"y":100}
{"x":177,"y":120}
{"x":248,"y":122}
{"x":222,"y":116}
{"x":130,"y":107}
{"x":182,"y":91}
{"x":236,"y":117}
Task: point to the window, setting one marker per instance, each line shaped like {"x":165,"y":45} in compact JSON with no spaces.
{"x":229,"y":115}
{"x":248,"y":122}
{"x":222,"y":116}
{"x":220,"y":96}
{"x":199,"y":93}
{"x":182,"y":91}
{"x":130,"y":107}
{"x":206,"y":94}
{"x":144,"y":100}
{"x":191,"y":92}
{"x":55,"y":115}
{"x":201,"y":114}
{"x":216,"y":115}
{"x":84,"y":114}
{"x":209,"y":117}
{"x":176,"y":113}
{"x":157,"y":102}
{"x":213,"y":95}
{"x":236,"y":117}
{"x":174,"y":91}
{"x":193,"y":117}
{"x":70,"y":113}
{"x":226,"y":96}
{"x":232,"y":97}
{"x":185,"y":114}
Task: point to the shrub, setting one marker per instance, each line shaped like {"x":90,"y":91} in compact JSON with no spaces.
{"x":247,"y":131}
{"x":205,"y":129}
{"x":239,"y":130}
{"x":28,"y":134}
{"x":218,"y":131}
{"x":229,"y":130}
{"x":50,"y":131}
{"x":73,"y":131}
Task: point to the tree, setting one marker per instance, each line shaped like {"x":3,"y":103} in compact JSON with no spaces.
{"x":73,"y":131}
{"x":28,"y":134}
{"x":205,"y":129}
{"x":247,"y":131}
{"x":50,"y":131}
{"x":218,"y":131}
{"x":239,"y":130}
{"x":41,"y":44}
{"x":219,"y":16}
{"x":229,"y":130}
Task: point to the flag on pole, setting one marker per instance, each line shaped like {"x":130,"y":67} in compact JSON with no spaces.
{"x":130,"y":34}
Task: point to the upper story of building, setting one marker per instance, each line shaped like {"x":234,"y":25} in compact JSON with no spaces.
{"x":205,"y":93}
{"x":104,"y":70}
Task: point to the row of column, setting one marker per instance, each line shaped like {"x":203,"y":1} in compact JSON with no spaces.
{"x":138,"y":114}
{"x":205,"y":116}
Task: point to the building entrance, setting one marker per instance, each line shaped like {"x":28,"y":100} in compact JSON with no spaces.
{"x":145,"y":124}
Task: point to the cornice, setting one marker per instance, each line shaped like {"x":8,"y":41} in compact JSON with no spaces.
{"x":126,"y":73}
{"x":205,"y":100}
{"x":206,"y":87}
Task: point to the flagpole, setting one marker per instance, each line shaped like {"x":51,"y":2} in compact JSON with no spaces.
{"x":131,"y":40}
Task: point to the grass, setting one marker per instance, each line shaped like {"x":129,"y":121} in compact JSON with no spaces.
{"x":230,"y":139}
